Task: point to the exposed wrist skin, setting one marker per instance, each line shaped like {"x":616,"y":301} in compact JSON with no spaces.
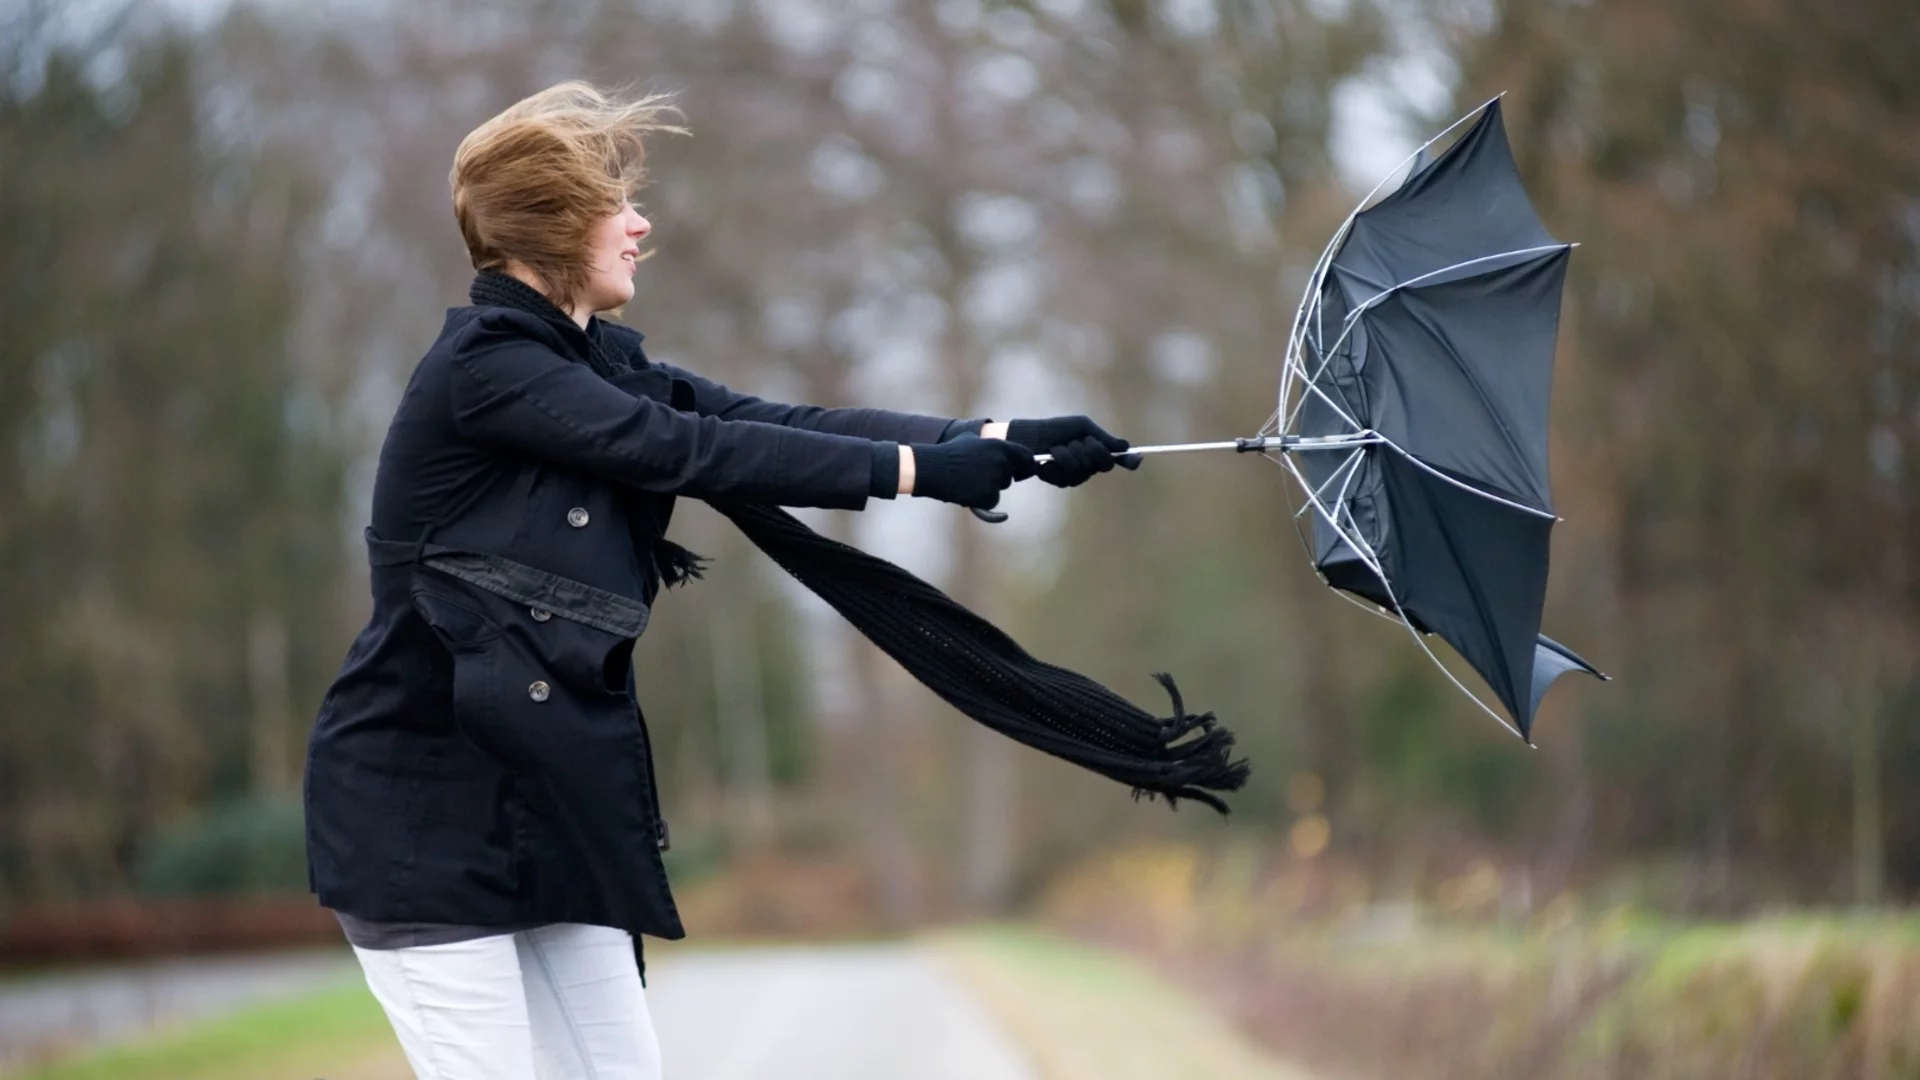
{"x":906,"y":469}
{"x":994,"y":429}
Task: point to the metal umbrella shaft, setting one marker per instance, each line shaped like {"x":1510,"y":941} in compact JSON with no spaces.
{"x":1285,"y":444}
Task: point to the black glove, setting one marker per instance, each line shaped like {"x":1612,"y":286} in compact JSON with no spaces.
{"x":969,"y":470}
{"x":1079,"y":447}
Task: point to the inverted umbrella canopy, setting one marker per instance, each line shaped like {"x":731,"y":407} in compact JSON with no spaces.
{"x":1419,"y":373}
{"x":1413,"y":412}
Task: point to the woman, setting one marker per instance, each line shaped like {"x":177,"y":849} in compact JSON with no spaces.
{"x":481,"y":807}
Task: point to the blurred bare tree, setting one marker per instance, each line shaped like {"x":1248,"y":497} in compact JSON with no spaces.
{"x":172,"y":486}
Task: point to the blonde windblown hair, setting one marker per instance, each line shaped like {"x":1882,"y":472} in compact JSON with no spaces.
{"x":530,"y":184}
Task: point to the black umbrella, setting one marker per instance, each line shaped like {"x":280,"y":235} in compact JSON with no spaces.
{"x":1413,"y":411}
{"x":1427,"y":339}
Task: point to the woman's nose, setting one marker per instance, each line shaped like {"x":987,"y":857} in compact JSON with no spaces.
{"x":639,"y":227}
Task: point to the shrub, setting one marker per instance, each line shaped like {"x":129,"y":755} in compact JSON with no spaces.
{"x":251,"y":845}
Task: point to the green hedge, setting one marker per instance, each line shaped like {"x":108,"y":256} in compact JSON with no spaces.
{"x":249,"y":845}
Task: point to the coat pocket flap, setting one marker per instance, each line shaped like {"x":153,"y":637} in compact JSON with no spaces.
{"x":458,"y":619}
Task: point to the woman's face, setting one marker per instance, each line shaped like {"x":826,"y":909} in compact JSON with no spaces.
{"x":612,"y":254}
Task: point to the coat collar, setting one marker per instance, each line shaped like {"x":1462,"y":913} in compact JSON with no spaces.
{"x":593,"y":344}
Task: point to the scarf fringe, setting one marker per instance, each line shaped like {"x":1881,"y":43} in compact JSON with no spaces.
{"x":676,"y":565}
{"x":1198,"y":763}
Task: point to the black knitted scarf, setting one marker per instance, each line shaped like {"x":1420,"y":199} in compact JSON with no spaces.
{"x":966,"y":660}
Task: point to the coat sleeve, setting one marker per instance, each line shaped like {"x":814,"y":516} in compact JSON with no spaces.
{"x":513,"y":392}
{"x":713,"y":399}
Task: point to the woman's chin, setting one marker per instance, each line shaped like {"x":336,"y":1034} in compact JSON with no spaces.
{"x":613,"y":299}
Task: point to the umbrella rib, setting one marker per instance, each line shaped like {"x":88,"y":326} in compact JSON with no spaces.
{"x":1314,"y":381}
{"x":1353,"y":318}
{"x":1411,"y":282}
{"x":1321,"y":264}
{"x":1346,"y":486}
{"x":1499,"y":421}
{"x":1371,"y":560}
{"x":1346,"y":467}
{"x":1410,"y":158}
{"x":1293,"y":365}
{"x":1309,"y":307}
{"x":1478,"y":598}
{"x":1360,"y":548}
{"x":1374,"y":610}
{"x":1300,"y":533}
{"x":1292,"y":368}
{"x":1313,"y":387}
{"x":1310,"y":300}
{"x":1295,"y":361}
{"x":1451,"y":677}
{"x":1469,"y":487}
{"x":1306,"y":548}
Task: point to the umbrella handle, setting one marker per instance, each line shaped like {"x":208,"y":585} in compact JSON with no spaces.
{"x":991,"y":517}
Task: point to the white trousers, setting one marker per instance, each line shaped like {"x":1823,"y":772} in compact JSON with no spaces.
{"x":561,"y":1002}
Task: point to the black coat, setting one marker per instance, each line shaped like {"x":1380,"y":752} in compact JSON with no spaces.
{"x":481,"y":759}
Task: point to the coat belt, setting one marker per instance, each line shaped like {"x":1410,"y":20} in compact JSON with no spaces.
{"x":522,"y":584}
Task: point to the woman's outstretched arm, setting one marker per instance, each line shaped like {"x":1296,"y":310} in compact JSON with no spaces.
{"x":713,"y":399}
{"x":510,"y":390}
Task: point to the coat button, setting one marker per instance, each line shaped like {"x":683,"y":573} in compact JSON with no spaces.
{"x":578,"y":517}
{"x":540,"y":614}
{"x":539,"y":690}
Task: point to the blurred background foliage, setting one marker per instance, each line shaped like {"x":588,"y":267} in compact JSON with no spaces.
{"x":225,"y":239}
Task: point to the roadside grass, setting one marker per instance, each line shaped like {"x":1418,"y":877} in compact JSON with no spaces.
{"x":335,"y":1034}
{"x":1083,"y":1013}
{"x":1456,"y":981}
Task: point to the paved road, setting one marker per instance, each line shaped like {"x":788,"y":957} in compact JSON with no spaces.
{"x":861,"y":1012}
{"x":39,"y":1013}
